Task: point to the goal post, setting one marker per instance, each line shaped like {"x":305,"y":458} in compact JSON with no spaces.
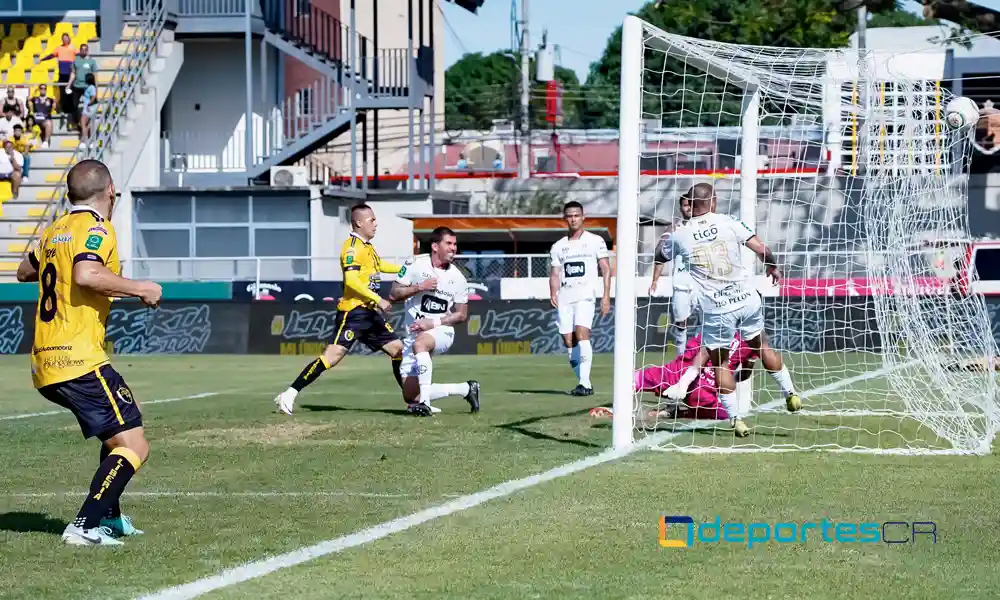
{"x":841,"y":161}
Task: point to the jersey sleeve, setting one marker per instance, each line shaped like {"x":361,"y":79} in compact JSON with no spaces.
{"x":602,"y":248}
{"x":405,"y":274}
{"x":462,"y":293}
{"x":349,"y":258}
{"x":554,"y":255}
{"x":741,"y":230}
{"x":96,"y":243}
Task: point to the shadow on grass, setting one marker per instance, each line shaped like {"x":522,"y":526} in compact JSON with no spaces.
{"x":329,"y":408}
{"x":28,"y":522}
{"x":519,"y":427}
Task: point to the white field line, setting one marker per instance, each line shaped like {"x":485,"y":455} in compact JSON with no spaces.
{"x":143,"y":403}
{"x":214,"y":494}
{"x":260,"y":568}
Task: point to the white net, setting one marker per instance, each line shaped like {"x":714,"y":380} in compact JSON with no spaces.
{"x":845,"y":166}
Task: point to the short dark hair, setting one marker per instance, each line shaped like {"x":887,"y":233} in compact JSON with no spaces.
{"x":18,"y":126}
{"x":701,"y":195}
{"x":439,"y":233}
{"x":572,"y":204}
{"x":360,"y":206}
{"x":86,"y":180}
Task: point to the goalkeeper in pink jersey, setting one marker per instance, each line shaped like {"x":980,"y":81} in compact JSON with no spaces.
{"x":689,"y":377}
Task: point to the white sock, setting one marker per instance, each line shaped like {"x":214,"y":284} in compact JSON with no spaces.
{"x":680,"y":337}
{"x":424,"y":376}
{"x":689,"y":375}
{"x":443,"y":390}
{"x":731,"y":405}
{"x":574,"y":359}
{"x":292,"y":392}
{"x":586,"y":361}
{"x":784,"y":380}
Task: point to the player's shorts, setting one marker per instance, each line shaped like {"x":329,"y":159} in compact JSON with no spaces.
{"x":364,"y":325}
{"x":101,"y":401}
{"x":576,"y":314}
{"x":718,"y":330}
{"x":443,"y":336}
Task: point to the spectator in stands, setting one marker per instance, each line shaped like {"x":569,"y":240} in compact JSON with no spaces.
{"x":497,"y":163}
{"x":41,"y":107}
{"x":83,"y":67}
{"x":24,"y":144}
{"x":13,"y":102}
{"x":8,"y":122}
{"x":66,"y":54}
{"x":88,"y":109}
{"x":463,"y":163}
{"x":11,"y":162}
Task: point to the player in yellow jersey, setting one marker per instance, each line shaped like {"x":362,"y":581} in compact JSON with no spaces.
{"x":76,"y":263}
{"x":360,"y":310}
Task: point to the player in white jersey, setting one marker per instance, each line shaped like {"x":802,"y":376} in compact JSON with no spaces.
{"x":711,"y":245}
{"x":683,"y":299}
{"x":573,"y":282}
{"x":431,"y":315}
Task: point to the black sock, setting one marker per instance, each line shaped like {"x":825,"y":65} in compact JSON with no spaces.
{"x":105,"y":490}
{"x":115,"y":510}
{"x":397,"y":363}
{"x":310,"y":374}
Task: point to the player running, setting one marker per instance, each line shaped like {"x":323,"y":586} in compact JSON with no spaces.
{"x":711,"y":245}
{"x":360,"y":310}
{"x":576,"y":259}
{"x":432,"y":286}
{"x":690,"y":378}
{"x":77,"y":265}
{"x":683,"y":299}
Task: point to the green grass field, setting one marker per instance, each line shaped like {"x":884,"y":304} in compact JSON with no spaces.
{"x":229,"y":482}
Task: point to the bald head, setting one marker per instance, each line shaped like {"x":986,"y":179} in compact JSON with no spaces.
{"x":701,"y":195}
{"x":88,"y":181}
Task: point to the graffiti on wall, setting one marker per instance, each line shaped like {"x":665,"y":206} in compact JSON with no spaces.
{"x":11,"y":329}
{"x":180,"y":330}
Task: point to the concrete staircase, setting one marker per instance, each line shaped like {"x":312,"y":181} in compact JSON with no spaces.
{"x":22,"y":218}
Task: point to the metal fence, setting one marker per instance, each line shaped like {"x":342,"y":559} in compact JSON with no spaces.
{"x":477,"y":267}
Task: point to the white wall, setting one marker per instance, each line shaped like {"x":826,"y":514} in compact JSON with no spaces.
{"x":205,"y":111}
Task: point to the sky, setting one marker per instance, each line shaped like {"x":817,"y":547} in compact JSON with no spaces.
{"x":580,"y":28}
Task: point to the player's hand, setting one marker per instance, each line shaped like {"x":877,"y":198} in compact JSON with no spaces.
{"x":428,"y":285}
{"x":775,"y":274}
{"x":421,"y":325}
{"x":605,"y":306}
{"x":151,"y":293}
{"x":554,"y":302}
{"x":384,"y":305}
{"x":652,"y":288}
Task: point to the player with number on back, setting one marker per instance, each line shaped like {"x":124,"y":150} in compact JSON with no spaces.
{"x":76,"y":263}
{"x":711,"y":245}
{"x":432,"y":286}
{"x":576,"y":259}
{"x":360,"y":312}
{"x":683,"y":300}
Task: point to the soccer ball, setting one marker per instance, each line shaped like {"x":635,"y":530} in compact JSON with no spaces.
{"x":961,"y":112}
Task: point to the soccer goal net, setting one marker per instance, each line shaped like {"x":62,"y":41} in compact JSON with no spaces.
{"x":844,"y":165}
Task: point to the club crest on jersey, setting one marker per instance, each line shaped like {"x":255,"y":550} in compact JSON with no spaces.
{"x":93,"y":242}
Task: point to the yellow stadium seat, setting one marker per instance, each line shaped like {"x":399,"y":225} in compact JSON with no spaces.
{"x":8,"y":267}
{"x":5,"y":192}
{"x":43,"y":30}
{"x":3,"y":30}
{"x":36,"y":212}
{"x":5,"y":62}
{"x":51,"y":194}
{"x":9,"y":45}
{"x":69,"y":143}
{"x":86,"y":30}
{"x":62,"y":161}
{"x":61,"y":28}
{"x":18,"y":247}
{"x":18,"y":31}
{"x":41,"y":75}
{"x":26,"y":229}
{"x":51,"y":64}
{"x":14,"y":76}
{"x":104,"y":78}
{"x":32,"y":45}
{"x":53,"y":177}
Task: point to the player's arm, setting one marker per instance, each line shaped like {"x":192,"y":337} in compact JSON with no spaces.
{"x":28,"y":269}
{"x":554,"y":278}
{"x":604,"y":266}
{"x":404,"y":287}
{"x":90,"y":255}
{"x":765,"y":255}
{"x":356,"y":284}
{"x":457,"y":316}
{"x":388,"y":267}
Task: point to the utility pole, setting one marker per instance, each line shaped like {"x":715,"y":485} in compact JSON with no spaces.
{"x":524,"y":154}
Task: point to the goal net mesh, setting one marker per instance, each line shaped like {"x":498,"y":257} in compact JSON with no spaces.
{"x":860,"y":189}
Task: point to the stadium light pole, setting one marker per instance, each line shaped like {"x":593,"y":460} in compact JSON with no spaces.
{"x":524,"y":155}
{"x":248,"y":58}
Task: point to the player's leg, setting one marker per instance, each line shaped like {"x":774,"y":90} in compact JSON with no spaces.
{"x":751,"y":329}
{"x":346,"y":328}
{"x":438,"y":341}
{"x":583,"y":321}
{"x":679,"y":390}
{"x":680,"y":309}
{"x":105,"y":408}
{"x":718,"y":331}
{"x":564,"y":317}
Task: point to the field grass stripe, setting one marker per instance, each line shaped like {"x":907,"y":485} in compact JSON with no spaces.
{"x":260,"y":568}
{"x":48,"y":413}
{"x":215,"y":494}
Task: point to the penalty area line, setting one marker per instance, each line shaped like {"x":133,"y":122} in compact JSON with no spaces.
{"x":259,"y":568}
{"x":48,"y":413}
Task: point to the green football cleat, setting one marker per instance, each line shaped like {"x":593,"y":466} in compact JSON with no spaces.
{"x":120,"y":526}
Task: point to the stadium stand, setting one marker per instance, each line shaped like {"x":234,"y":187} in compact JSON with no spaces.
{"x":22,"y":47}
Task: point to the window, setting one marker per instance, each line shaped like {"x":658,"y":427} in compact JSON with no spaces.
{"x":304,"y":102}
{"x":276,"y":209}
{"x":165,"y":243}
{"x":163,"y":209}
{"x":228,"y":242}
{"x":281,"y":242}
{"x":221,"y":209}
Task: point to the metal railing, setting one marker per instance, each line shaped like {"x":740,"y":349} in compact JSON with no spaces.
{"x":140,"y":48}
{"x":477,"y":267}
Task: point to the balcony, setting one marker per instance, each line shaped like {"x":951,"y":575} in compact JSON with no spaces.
{"x":196,"y":17}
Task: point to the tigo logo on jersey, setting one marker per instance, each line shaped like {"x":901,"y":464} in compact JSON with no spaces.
{"x":93,"y":242}
{"x":755,"y":533}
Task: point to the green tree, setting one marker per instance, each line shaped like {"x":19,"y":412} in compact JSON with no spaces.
{"x":685,"y":96}
{"x":480,"y":88}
